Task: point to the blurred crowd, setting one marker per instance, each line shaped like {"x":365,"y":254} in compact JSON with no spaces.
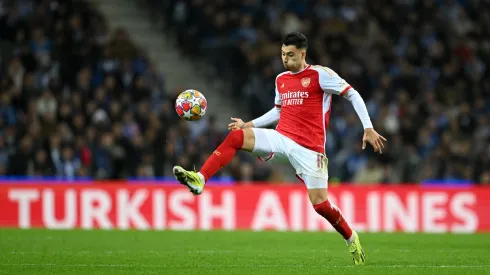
{"x":421,"y":66}
{"x":78,"y":101}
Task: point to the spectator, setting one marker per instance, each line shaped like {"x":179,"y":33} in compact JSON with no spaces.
{"x":421,"y":66}
{"x":76,"y":100}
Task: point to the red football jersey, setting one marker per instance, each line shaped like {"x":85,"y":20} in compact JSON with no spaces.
{"x":305,"y":99}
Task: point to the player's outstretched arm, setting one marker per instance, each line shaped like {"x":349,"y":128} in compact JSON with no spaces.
{"x":267,"y":119}
{"x":370,"y":135}
{"x":331,"y":82}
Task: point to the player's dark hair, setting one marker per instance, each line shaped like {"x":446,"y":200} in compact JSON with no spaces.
{"x":296,"y":39}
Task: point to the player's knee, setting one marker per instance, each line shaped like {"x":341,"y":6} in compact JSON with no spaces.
{"x":235,"y":139}
{"x":243,"y":139}
{"x":248,"y":139}
{"x":317,"y":195}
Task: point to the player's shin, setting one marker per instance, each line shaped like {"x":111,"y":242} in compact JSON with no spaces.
{"x":334,"y":216}
{"x":223,"y":154}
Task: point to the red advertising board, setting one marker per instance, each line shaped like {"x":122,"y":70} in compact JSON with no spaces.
{"x":253,"y":207}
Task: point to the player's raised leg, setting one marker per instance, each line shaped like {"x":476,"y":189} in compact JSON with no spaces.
{"x":317,"y":192}
{"x":243,"y":139}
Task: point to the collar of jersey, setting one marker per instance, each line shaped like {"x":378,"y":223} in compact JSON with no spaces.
{"x":306,"y":68}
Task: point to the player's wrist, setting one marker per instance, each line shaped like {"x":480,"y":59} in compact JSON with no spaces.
{"x":249,"y":124}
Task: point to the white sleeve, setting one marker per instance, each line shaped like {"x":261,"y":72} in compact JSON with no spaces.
{"x":277,"y":100}
{"x":331,"y":82}
{"x":268,"y":118}
{"x":359,"y":106}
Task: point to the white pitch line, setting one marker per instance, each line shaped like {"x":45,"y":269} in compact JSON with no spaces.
{"x":245,"y":265}
{"x":209,"y":251}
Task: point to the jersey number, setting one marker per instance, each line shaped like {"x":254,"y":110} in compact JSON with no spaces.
{"x":322,"y":163}
{"x":319,"y":161}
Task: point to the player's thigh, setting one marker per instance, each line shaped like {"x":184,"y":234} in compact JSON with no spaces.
{"x":310,"y":166}
{"x":248,"y":139}
{"x":267,"y":143}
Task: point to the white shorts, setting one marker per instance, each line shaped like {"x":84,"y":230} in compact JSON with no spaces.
{"x":311,"y":167}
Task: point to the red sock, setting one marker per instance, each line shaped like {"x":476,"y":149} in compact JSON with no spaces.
{"x":333,"y":215}
{"x":223,"y":154}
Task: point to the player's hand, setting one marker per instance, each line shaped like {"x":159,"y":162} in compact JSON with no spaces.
{"x":236,"y":125}
{"x":375,"y":139}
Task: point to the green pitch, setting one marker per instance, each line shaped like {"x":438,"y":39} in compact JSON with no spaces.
{"x":130,"y":252}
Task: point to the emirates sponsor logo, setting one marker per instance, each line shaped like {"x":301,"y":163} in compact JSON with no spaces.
{"x":298,"y":94}
{"x":293,"y":98}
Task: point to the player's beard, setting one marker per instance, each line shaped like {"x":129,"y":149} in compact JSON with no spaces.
{"x":291,"y":68}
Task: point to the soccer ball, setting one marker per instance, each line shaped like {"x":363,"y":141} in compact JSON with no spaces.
{"x":191,"y":105}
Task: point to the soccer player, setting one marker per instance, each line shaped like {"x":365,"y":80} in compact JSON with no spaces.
{"x":302,"y":110}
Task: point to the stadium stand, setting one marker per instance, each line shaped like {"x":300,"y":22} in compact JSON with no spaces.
{"x":421,"y":66}
{"x":75,"y":97}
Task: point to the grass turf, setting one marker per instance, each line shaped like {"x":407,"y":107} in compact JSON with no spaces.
{"x":216,"y":252}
